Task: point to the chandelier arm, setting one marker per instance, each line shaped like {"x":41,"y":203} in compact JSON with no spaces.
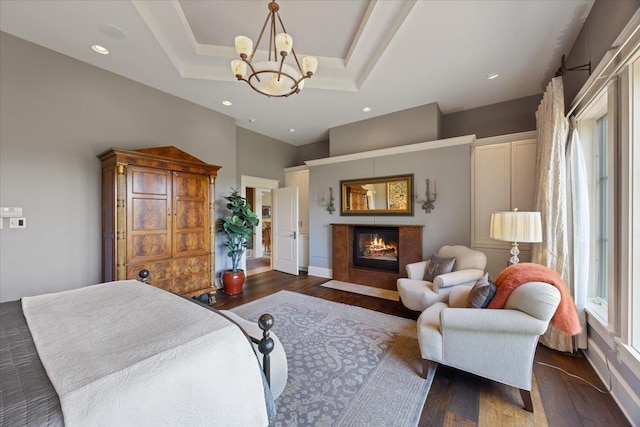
{"x":284,"y":30}
{"x":281,"y":64}
{"x":297,"y":62}
{"x":298,"y":83}
{"x":272,"y":38}
{"x":253,"y":71}
{"x":255,"y":47}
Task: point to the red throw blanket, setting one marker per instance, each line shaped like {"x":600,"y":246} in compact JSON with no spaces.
{"x":565,"y":318}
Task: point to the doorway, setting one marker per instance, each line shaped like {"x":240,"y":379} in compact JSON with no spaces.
{"x":257,"y":191}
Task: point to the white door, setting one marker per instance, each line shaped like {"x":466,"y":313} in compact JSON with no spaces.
{"x":284,"y":243}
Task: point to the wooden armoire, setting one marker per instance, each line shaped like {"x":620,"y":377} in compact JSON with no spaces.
{"x":158,"y":213}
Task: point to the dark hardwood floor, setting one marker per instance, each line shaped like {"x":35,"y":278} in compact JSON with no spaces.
{"x":457,"y":398}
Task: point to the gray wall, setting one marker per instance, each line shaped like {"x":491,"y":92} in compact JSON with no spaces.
{"x":315,"y":150}
{"x":261,"y":156}
{"x":56,"y":115}
{"x":448,"y":223}
{"x":605,"y":22}
{"x":518,"y":115}
{"x":409,"y":126}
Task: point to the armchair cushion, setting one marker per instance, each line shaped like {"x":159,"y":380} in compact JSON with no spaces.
{"x":437,"y":266}
{"x":481,"y":293}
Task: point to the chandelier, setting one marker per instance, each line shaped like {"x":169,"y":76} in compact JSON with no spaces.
{"x":272,"y":77}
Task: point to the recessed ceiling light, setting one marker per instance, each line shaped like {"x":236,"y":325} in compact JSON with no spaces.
{"x":227,"y":103}
{"x":100,"y":49}
{"x":112,"y":31}
{"x":252,"y":120}
{"x":366,"y":109}
{"x":292,"y":130}
{"x":492,"y":76}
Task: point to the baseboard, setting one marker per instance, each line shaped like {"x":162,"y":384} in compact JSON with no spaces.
{"x":320,"y":272}
{"x":621,"y":391}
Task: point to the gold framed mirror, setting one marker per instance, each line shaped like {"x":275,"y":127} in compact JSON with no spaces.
{"x":386,"y":195}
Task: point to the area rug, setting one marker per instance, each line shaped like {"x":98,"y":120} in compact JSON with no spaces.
{"x":363,"y":290}
{"x":348,"y":366}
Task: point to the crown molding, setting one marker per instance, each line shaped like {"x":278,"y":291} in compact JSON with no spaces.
{"x":402,"y":149}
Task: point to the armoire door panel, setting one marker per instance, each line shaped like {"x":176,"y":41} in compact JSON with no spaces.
{"x":149,"y":214}
{"x":191,"y":221}
{"x":149,"y":225}
{"x":149,"y":181}
{"x":191,"y":214}
{"x":191,"y":273}
{"x":148,"y":246}
{"x":191,"y":186}
{"x":191,"y":243}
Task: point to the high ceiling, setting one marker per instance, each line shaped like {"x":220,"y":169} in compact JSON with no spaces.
{"x":388,"y":55}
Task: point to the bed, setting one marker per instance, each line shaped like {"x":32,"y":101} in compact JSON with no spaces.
{"x":127,"y":353}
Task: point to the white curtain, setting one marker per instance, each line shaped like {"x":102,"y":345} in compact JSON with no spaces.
{"x":579,"y":207}
{"x":551,"y":195}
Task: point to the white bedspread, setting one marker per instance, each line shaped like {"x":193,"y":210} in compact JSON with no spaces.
{"x":128,"y":354}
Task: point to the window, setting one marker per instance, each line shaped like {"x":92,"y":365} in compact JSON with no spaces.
{"x":593,"y":127}
{"x":633,"y":179}
{"x":609,"y":128}
{"x":602,"y":202}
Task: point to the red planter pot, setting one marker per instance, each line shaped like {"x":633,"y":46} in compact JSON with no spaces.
{"x":232,"y":282}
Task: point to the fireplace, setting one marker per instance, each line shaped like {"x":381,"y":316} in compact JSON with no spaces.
{"x":408,"y":242}
{"x":376,"y":247}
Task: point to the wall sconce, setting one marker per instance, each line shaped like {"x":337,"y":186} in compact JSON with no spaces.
{"x":328,"y":203}
{"x":428,"y":202}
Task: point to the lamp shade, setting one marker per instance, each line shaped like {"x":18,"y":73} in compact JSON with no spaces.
{"x":309,"y":64}
{"x":239,"y":68}
{"x":516,"y":226}
{"x":244,"y":45}
{"x":284,"y":43}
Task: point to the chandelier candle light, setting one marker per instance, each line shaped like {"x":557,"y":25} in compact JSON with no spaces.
{"x":272,"y":77}
{"x":516,"y":227}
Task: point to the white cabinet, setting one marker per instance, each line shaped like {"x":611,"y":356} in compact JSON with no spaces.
{"x":503,"y":178}
{"x":299,"y":177}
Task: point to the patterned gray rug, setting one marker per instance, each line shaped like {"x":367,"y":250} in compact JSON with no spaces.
{"x":347,"y":366}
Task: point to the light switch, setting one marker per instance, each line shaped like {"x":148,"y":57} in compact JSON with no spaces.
{"x":17,"y":222}
{"x":10,"y":212}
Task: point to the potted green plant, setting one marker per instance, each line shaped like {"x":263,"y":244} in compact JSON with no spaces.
{"x":238,"y":227}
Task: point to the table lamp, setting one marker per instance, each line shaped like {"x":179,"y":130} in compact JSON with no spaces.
{"x":514,"y":227}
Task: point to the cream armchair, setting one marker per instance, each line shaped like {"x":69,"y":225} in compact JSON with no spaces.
{"x":418,"y":294}
{"x":498,"y":344}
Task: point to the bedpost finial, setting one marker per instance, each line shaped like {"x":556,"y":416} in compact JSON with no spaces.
{"x":143,"y":275}
{"x":265,"y":322}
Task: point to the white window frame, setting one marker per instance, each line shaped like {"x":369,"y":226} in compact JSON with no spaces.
{"x":587,"y":129}
{"x":620,"y":100}
{"x":630,"y":205}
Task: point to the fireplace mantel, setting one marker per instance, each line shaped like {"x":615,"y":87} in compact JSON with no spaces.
{"x":410,"y":242}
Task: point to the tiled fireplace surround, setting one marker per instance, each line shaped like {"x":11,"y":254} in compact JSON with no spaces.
{"x":410,"y":250}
